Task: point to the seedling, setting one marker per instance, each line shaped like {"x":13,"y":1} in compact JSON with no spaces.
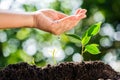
{"x":53,"y":56}
{"x":90,"y":32}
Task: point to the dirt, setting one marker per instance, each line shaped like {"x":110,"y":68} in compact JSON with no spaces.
{"x":64,"y":71}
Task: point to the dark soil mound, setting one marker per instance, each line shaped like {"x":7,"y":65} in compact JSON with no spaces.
{"x":62,"y":71}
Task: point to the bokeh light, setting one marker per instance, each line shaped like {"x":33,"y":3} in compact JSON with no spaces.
{"x":69,"y":50}
{"x":77,"y":57}
{"x":107,"y":30}
{"x":3,"y":36}
{"x":106,"y":42}
{"x":48,"y":52}
{"x":117,"y":36}
{"x":30,"y":46}
{"x":98,"y":16}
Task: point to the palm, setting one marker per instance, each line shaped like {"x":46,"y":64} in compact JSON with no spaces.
{"x":53,"y":15}
{"x":56,"y":22}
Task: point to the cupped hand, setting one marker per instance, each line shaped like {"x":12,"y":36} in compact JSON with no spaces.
{"x":56,"y":22}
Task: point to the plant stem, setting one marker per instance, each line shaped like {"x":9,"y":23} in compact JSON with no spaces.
{"x":82,"y":51}
{"x":53,"y":54}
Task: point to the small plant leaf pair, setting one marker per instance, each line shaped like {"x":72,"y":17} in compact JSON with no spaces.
{"x":92,"y":31}
{"x":92,"y":48}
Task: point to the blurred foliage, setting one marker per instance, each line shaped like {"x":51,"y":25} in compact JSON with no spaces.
{"x":23,"y":44}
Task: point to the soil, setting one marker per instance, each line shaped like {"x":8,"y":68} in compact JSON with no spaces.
{"x":64,"y":71}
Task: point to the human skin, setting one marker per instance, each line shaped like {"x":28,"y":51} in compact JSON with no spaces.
{"x":46,"y":19}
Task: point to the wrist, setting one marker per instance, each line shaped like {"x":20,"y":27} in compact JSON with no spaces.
{"x":31,"y":20}
{"x":36,"y":16}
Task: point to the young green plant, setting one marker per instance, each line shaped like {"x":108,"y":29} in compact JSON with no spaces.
{"x":89,"y":33}
{"x":53,"y":56}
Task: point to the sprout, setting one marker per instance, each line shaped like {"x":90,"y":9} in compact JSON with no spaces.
{"x":53,"y":56}
{"x":91,"y":48}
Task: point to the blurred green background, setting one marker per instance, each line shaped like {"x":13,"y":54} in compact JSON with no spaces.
{"x":26,"y":44}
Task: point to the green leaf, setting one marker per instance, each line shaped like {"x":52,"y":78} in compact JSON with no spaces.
{"x":23,"y":33}
{"x":85,"y":39}
{"x":92,"y":48}
{"x":64,"y":38}
{"x":85,"y":34}
{"x":94,"y":45}
{"x":94,"y":29}
{"x":74,"y":38}
{"x":30,"y":7}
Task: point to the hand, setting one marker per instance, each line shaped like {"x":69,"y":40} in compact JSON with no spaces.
{"x":55,"y":22}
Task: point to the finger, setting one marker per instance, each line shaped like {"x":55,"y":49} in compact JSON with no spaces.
{"x":81,"y":16}
{"x":74,"y":19}
{"x":74,"y":22}
{"x":68,"y":23}
{"x":77,"y":11}
{"x":70,"y":18}
{"x":83,"y":11}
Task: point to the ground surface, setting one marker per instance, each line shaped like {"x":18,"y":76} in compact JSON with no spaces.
{"x":62,"y":71}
